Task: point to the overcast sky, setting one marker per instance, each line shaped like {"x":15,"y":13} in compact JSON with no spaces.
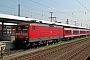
{"x":73,"y":10}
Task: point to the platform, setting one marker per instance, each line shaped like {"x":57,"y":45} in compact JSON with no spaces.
{"x":1,"y":45}
{"x":7,"y":38}
{"x":8,"y":44}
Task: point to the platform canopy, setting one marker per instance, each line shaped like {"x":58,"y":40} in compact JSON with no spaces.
{"x":13,"y":19}
{"x":18,"y":19}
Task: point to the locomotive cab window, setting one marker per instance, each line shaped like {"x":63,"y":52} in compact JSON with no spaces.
{"x":18,"y":27}
{"x":22,"y":28}
{"x":33,"y":28}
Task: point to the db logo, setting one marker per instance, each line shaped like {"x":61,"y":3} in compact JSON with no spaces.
{"x":50,"y":31}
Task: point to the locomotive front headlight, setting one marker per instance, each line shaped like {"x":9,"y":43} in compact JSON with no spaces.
{"x":24,"y":41}
{"x":26,"y":37}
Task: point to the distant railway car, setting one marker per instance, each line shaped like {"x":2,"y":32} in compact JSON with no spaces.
{"x":37,"y":33}
{"x":13,"y":30}
{"x":82,"y":32}
{"x":76,"y":32}
{"x":87,"y":31}
{"x":68,"y":32}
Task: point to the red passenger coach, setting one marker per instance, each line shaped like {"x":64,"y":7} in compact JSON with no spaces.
{"x":76,"y":32}
{"x":87,"y":32}
{"x":82,"y":32}
{"x":71,"y":32}
{"x":37,"y":33}
{"x":67,"y":32}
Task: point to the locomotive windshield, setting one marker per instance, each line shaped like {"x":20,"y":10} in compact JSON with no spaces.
{"x":21,"y":27}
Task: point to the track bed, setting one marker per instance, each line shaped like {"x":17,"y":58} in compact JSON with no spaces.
{"x":68,"y":51}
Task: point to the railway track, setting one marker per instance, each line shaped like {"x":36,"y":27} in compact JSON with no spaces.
{"x":60,"y":52}
{"x":77,"y":55}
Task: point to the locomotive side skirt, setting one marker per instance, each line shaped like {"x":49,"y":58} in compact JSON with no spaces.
{"x":43,"y":39}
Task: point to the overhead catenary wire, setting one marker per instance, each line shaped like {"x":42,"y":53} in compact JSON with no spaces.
{"x":27,"y":5}
{"x":30,"y":6}
{"x":49,"y":7}
{"x":17,"y":9}
{"x":72,"y":11}
{"x":40,"y":4}
{"x":33,"y":8}
{"x":56,"y":9}
{"x":43,"y":14}
{"x":83,"y":5}
{"x":87,"y":1}
{"x":21,"y":9}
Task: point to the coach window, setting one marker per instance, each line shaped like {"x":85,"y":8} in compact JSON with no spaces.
{"x":76,"y":32}
{"x":33,"y":28}
{"x":68,"y":31}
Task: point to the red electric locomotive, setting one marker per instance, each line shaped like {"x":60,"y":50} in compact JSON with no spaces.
{"x":37,"y":33}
